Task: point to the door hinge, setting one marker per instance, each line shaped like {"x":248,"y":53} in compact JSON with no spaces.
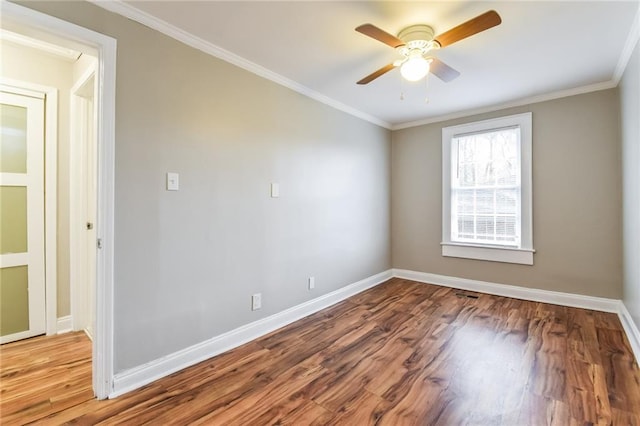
{"x":99,"y":243}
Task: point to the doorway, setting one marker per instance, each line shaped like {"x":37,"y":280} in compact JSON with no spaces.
{"x":22,"y":246}
{"x":83,"y":179}
{"x":66,"y":150}
{"x":22,"y":20}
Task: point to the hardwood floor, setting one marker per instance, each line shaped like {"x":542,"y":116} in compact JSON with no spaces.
{"x":44,"y":375}
{"x":402,"y":353}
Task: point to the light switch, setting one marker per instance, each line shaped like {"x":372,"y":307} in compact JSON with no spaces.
{"x":173,"y":181}
{"x":275,"y":190}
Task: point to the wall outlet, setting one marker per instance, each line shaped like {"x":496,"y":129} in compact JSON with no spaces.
{"x":256,"y":301}
{"x":312,"y":283}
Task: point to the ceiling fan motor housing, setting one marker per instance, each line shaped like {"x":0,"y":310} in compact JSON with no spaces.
{"x":417,"y":38}
{"x":414,"y":42}
{"x":418,"y":32}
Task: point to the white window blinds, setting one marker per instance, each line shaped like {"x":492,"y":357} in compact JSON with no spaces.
{"x":486,"y":187}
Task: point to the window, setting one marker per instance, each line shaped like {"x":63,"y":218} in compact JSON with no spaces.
{"x":486,"y":192}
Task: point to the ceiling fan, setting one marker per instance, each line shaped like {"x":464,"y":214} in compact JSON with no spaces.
{"x":415,"y":42}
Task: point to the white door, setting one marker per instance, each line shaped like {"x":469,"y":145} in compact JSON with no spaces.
{"x":88,"y":141}
{"x":22,"y":284}
{"x":84,"y":208}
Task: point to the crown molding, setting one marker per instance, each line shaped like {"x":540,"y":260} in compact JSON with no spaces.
{"x":135,"y":14}
{"x":627,"y":50}
{"x":519,"y":102}
{"x":61,"y":52}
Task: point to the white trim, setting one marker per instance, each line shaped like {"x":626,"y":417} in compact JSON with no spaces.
{"x":23,"y":88}
{"x":105,"y":104}
{"x":51,"y":208}
{"x":147,"y":373}
{"x":89,"y":333}
{"x":525,"y":293}
{"x":627,"y":50}
{"x":10,"y":260}
{"x":511,"y":104}
{"x":69,"y":55}
{"x":64,"y":324}
{"x":493,"y":254}
{"x":133,"y":13}
{"x":601,"y":304}
{"x":15,"y":336}
{"x":50,"y":96}
{"x":630,"y":328}
{"x":139,"y":376}
{"x":13,"y":179}
{"x":80,"y":248}
{"x":34,"y":183}
{"x":87,"y":41}
{"x":523,"y":252}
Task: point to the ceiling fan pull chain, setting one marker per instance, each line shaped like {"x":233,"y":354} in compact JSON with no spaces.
{"x":426,"y":87}
{"x":415,"y":41}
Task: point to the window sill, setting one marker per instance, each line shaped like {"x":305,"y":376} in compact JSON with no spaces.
{"x":492,"y":254}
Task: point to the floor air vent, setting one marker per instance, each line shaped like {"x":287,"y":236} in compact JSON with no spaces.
{"x":467,"y":295}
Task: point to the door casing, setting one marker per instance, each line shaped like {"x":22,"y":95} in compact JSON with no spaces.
{"x":82,"y":254}
{"x":23,"y":20}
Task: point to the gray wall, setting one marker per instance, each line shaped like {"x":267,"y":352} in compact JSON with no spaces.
{"x":187,"y":262}
{"x":576,"y":200}
{"x":630,"y":124}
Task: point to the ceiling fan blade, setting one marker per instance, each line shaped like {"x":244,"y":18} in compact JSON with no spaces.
{"x":376,"y":74}
{"x":380,"y":35}
{"x":467,"y":29}
{"x":443,"y":71}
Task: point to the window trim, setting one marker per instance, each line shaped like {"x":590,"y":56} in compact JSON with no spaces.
{"x":491,"y":252}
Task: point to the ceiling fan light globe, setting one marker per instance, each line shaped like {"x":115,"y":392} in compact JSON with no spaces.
{"x":415,"y":68}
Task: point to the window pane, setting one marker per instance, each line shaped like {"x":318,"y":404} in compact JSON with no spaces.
{"x":506,"y":201}
{"x":14,"y":300}
{"x":13,"y":219}
{"x":485,"y":187}
{"x":465,"y":225}
{"x":465,"y":201}
{"x":13,"y":139}
{"x":484,"y":200}
{"x":484,"y":227}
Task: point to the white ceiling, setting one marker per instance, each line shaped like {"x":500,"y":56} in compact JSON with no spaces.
{"x":541,"y":48}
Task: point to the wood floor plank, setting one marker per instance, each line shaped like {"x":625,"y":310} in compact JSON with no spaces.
{"x":402,"y":353}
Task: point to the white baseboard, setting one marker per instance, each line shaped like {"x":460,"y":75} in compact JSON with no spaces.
{"x":64,"y":324}
{"x":535,"y":295}
{"x":139,"y":376}
{"x":134,"y":378}
{"x":532,"y":294}
{"x":630,"y":328}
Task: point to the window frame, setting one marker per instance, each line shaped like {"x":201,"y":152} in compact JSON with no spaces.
{"x":522,"y":254}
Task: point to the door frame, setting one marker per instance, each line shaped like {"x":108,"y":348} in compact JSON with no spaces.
{"x":50,"y":95}
{"x":35,"y":24}
{"x":80,"y":248}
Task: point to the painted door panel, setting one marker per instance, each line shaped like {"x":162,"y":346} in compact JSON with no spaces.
{"x":22,"y":286}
